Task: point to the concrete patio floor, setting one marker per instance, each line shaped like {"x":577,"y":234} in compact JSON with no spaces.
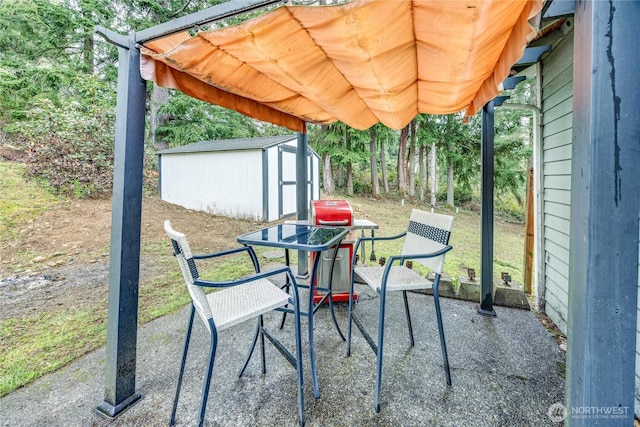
{"x":506,"y":371}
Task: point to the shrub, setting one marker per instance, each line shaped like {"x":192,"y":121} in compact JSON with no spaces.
{"x":69,"y":146}
{"x":461,"y":195}
{"x":362,"y":187}
{"x":507,"y":206}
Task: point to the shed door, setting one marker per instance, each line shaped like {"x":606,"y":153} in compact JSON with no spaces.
{"x":287,"y":178}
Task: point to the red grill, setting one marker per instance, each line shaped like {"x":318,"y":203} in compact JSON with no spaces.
{"x":334,"y":213}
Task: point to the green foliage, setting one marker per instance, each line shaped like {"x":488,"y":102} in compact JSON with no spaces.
{"x":513,"y":147}
{"x":71,"y":146}
{"x":508,"y":206}
{"x":455,"y":141}
{"x":333,"y":140}
{"x":361,"y":185}
{"x":24,"y":72}
{"x":462,"y":194}
{"x":44,"y":47}
{"x":193,"y":120}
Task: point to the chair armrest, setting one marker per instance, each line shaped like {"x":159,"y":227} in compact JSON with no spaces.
{"x":221,"y":253}
{"x":373,"y":239}
{"x":419,"y":256}
{"x":249,"y":249}
{"x":246,"y":279}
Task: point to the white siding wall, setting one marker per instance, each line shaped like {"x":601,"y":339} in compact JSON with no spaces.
{"x":557,"y":106}
{"x":221,"y":183}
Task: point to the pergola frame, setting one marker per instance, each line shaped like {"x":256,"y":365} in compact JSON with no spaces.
{"x":126,"y":216}
{"x":604,"y":217}
{"x":605,"y":212}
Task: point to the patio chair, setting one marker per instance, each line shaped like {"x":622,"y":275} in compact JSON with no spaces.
{"x":425,"y":242}
{"x":235,"y":302}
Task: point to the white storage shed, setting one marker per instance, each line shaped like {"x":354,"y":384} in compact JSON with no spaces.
{"x":252,"y":178}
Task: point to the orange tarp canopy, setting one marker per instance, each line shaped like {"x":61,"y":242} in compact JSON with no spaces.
{"x":361,"y":62}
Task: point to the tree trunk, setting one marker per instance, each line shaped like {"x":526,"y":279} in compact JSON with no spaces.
{"x":402,"y":155}
{"x":412,"y":159}
{"x":88,"y":53}
{"x":375,"y":186}
{"x":422,"y":174}
{"x":88,"y":46}
{"x":349,"y":165}
{"x":434,"y":180}
{"x":327,"y":175}
{"x":383,"y":165}
{"x":450,"y":199}
{"x":349,"y":179}
{"x":159,"y":97}
{"x":339,"y":182}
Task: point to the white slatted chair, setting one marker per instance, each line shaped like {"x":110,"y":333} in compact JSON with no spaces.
{"x":237,"y":301}
{"x":426,"y":242}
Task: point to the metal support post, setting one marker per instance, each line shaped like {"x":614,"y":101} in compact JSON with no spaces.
{"x":302,"y":194}
{"x":124,"y":274}
{"x":486,"y":291}
{"x":605,"y":206}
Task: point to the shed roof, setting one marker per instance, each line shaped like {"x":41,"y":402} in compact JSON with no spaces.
{"x":361,"y":63}
{"x":230,"y":145}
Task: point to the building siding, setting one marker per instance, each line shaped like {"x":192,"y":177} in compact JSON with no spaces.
{"x":557,"y":106}
{"x":238,"y":178}
{"x":215,"y":182}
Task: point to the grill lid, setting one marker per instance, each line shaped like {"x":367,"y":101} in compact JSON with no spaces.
{"x":331,"y":212}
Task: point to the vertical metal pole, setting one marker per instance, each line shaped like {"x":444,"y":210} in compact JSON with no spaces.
{"x":120,"y":370}
{"x":486,"y":291}
{"x":605,"y":206}
{"x":302,"y":196}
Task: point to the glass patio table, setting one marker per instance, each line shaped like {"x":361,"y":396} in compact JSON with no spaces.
{"x":309,"y":238}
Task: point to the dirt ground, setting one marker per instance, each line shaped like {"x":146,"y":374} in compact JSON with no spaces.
{"x":62,"y":257}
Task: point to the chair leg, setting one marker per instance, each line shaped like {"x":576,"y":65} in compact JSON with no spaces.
{"x":333,"y":316}
{"x":172,"y":421}
{"x":408,"y":314}
{"x":351,"y":288}
{"x":207,"y":380}
{"x":330,"y":296}
{"x":286,"y":286}
{"x":263,"y":358}
{"x":383,"y":297}
{"x":443,"y":344}
{"x":298,"y":331}
{"x":256,"y":334}
{"x":284,"y":314}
